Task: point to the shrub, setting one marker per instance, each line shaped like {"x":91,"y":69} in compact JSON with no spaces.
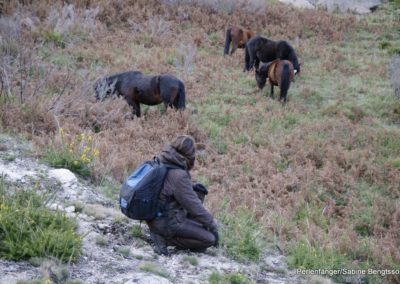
{"x":184,"y":60}
{"x":29,"y":229}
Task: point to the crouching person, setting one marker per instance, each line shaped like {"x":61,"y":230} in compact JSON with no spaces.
{"x":184,"y":222}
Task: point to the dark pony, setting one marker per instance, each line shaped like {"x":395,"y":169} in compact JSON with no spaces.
{"x":262,"y":49}
{"x":238,"y":36}
{"x":279,"y":73}
{"x":138,"y":88}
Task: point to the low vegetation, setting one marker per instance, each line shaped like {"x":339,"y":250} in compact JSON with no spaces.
{"x":154,"y":269}
{"x":229,"y":278}
{"x":319,"y":176}
{"x":29,"y":229}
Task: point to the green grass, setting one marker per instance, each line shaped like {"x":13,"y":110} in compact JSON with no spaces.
{"x":101,"y":241}
{"x":136,"y":231}
{"x":110,"y":188}
{"x":124,"y":251}
{"x":154,"y":269}
{"x":29,"y":229}
{"x":303,"y":255}
{"x":241,"y":235}
{"x":229,"y":278}
{"x":194,"y":261}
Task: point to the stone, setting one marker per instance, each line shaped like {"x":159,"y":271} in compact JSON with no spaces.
{"x":355,"y":6}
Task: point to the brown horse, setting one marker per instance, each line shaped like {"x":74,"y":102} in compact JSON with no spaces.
{"x":138,"y":88}
{"x":280,"y":73}
{"x":238,"y":36}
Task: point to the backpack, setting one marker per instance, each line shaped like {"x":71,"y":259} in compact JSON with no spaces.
{"x":138,"y":197}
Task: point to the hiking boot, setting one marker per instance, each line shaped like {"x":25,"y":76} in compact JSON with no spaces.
{"x":159,"y":244}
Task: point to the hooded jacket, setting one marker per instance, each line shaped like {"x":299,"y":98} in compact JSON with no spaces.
{"x":179,"y":197}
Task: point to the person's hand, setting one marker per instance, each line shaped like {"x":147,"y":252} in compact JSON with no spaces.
{"x":200,"y":188}
{"x":216,"y":236}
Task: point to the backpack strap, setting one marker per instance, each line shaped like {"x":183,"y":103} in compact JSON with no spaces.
{"x":163,"y":204}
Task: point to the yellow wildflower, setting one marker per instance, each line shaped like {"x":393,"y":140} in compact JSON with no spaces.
{"x":96,"y":152}
{"x":90,"y":138}
{"x":86,"y":150}
{"x":82,"y":136}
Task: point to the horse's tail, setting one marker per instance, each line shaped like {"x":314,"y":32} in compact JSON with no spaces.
{"x":181,"y":103}
{"x":228,"y":40}
{"x":285,"y":81}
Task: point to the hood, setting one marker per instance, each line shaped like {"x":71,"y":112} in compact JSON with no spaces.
{"x":170,"y":156}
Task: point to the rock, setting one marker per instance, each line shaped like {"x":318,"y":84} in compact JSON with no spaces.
{"x":142,"y":278}
{"x":63,"y":176}
{"x":70,"y":209}
{"x":355,"y":6}
{"x":55,"y":206}
{"x":299,"y":3}
{"x":14,"y":172}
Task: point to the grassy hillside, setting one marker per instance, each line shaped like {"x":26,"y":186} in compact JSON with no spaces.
{"x":321,"y":174}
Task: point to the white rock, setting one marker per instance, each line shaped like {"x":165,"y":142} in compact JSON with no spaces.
{"x":14,"y":172}
{"x":142,"y":278}
{"x":299,"y":3}
{"x":356,"y":6}
{"x":63,"y":175}
{"x":56,"y":206}
{"x":70,"y":209}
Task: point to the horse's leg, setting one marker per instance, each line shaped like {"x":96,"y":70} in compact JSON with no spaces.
{"x":137,"y":109}
{"x":272,"y":91}
{"x":252,"y":60}
{"x":246,"y":59}
{"x":257,"y":62}
{"x":235,"y":43}
{"x":133,"y":104}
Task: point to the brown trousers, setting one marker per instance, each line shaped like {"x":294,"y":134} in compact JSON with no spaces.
{"x":189,"y":235}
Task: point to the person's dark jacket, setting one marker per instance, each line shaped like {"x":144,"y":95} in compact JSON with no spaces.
{"x":179,"y":197}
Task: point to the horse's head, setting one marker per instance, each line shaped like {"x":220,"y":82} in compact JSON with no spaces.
{"x":295,"y":62}
{"x":261,"y":75}
{"x":180,"y":99}
{"x":103,"y":89}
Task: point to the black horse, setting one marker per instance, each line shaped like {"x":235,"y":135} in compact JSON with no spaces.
{"x":262,"y":49}
{"x":138,"y":88}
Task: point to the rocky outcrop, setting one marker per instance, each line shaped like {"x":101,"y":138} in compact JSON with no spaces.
{"x":355,"y":6}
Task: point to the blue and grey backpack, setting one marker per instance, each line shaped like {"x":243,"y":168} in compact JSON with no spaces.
{"x":138,"y":197}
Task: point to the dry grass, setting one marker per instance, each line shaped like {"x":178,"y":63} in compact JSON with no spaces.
{"x":324,"y":168}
